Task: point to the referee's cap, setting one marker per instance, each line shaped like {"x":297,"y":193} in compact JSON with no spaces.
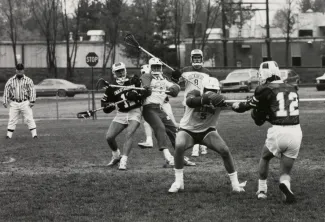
{"x":20,"y":66}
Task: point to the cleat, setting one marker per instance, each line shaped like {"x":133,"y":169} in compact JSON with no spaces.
{"x":239,"y":188}
{"x":289,"y":196}
{"x":145,"y":145}
{"x":187,"y":162}
{"x":204,"y":150}
{"x":170,"y":162}
{"x":122,"y":165}
{"x":35,"y":137}
{"x":261,"y":194}
{"x":114,"y":161}
{"x":7,"y":137}
{"x":195,"y":150}
{"x":176,"y":187}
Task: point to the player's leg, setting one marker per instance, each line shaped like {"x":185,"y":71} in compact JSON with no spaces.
{"x":148,"y":131}
{"x":263,"y":170}
{"x":183,"y":141}
{"x":130,"y":131}
{"x":13,"y":118}
{"x":27,"y":112}
{"x":291,"y":140}
{"x":151,"y":115}
{"x":114,"y":129}
{"x":214,"y":141}
{"x":168,"y":110}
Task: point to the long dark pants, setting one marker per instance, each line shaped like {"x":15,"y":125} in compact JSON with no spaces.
{"x":161,"y":124}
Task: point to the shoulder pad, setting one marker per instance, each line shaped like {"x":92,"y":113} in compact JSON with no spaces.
{"x":261,"y":89}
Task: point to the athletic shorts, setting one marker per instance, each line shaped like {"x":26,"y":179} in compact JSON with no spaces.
{"x":284,"y":140}
{"x":198,"y":137}
{"x":125,"y":117}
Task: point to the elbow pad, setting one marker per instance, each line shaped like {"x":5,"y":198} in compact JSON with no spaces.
{"x":194,"y":102}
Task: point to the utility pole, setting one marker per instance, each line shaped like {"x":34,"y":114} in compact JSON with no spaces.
{"x":224,"y":34}
{"x":268,"y":39}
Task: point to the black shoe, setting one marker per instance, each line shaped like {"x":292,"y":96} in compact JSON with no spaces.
{"x":289,"y":197}
{"x":35,"y":137}
{"x":7,"y":137}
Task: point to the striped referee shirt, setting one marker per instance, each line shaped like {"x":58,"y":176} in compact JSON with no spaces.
{"x":19,"y":89}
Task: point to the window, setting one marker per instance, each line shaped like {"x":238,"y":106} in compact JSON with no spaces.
{"x":304,"y":33}
{"x":295,"y":54}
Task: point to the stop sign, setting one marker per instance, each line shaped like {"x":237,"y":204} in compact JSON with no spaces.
{"x":92,"y":59}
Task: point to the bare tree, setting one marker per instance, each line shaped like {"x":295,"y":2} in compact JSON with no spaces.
{"x":196,"y":8}
{"x":178,"y":14}
{"x":70,"y":25}
{"x":285,"y":19}
{"x":47,"y":16}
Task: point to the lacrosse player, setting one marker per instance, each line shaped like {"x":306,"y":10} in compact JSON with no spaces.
{"x":128,"y":115}
{"x":153,"y":112}
{"x":193,"y":76}
{"x":278,"y":103}
{"x":165,"y":106}
{"x":198,"y":126}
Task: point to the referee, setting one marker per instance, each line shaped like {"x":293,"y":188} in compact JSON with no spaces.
{"x":19,"y":95}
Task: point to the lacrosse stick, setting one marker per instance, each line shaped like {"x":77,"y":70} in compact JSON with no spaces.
{"x":300,"y":100}
{"x":131,"y":41}
{"x":139,"y":88}
{"x":90,"y":113}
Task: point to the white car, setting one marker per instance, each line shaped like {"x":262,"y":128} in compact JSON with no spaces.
{"x":62,"y":87}
{"x":320,"y":83}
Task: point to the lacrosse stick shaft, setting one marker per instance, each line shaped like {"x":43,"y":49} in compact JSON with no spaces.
{"x":156,"y":57}
{"x":139,"y":88}
{"x":300,"y":100}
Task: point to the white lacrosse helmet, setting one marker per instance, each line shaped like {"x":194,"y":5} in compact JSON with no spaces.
{"x":145,"y":69}
{"x":120,"y":76}
{"x":267,"y":70}
{"x":197,"y":58}
{"x":155,"y":66}
{"x":210,"y":84}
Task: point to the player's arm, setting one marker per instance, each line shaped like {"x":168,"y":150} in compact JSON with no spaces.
{"x":32,"y":92}
{"x":6,"y":94}
{"x":261,"y":94}
{"x":194,"y":99}
{"x":145,"y":80}
{"x":107,"y":100}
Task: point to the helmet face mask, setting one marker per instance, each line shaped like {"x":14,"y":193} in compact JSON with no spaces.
{"x":197,"y":58}
{"x":155,"y":66}
{"x":119,"y":73}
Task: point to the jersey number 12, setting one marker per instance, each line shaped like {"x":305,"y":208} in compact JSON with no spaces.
{"x":293,"y":105}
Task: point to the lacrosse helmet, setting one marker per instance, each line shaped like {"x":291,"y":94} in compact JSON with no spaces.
{"x":210,"y":84}
{"x":119,"y":73}
{"x":197,"y":58}
{"x":268,"y":70}
{"x":155,"y":66}
{"x":145,"y":69}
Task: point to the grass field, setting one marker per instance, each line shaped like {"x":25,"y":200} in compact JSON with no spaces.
{"x":62,"y":176}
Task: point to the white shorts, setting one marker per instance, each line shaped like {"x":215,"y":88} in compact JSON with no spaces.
{"x":124,"y":118}
{"x":284,"y":140}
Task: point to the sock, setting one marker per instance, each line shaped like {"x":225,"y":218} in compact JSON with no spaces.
{"x":286,"y":180}
{"x":9,"y":133}
{"x":149,"y":139}
{"x":179,"y":176}
{"x":33,"y":131}
{"x":262,"y":186}
{"x":116,"y":154}
{"x":234,"y":179}
{"x":167,"y":154}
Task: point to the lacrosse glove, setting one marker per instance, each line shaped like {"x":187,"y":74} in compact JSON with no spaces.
{"x":173,"y":90}
{"x":213,"y":98}
{"x":109,"y":109}
{"x":176,"y":74}
{"x":259,"y":116}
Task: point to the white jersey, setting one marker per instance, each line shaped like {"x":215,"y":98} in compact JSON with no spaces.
{"x":193,"y":79}
{"x":158,"y":97}
{"x":199,"y":119}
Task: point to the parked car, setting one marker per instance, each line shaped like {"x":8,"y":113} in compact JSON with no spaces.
{"x":239,"y":80}
{"x":320,"y":83}
{"x":290,"y":76}
{"x":49,"y":87}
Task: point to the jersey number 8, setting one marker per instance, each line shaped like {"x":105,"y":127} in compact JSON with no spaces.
{"x":293,"y":104}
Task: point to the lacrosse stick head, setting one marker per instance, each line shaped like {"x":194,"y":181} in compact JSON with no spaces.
{"x":101,"y":82}
{"x":85,"y":114}
{"x":131,"y":41}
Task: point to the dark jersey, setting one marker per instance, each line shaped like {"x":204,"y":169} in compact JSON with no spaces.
{"x":280,"y":102}
{"x":113,"y":95}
